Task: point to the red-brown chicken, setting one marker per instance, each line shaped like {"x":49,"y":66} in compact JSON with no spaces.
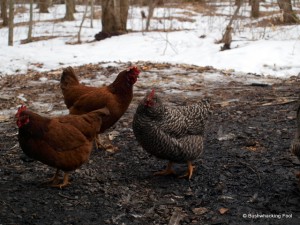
{"x":116,"y":97}
{"x":64,"y":143}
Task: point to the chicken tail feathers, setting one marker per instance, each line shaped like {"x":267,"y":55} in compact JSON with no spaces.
{"x":68,"y":78}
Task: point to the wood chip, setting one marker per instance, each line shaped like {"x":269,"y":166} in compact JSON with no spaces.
{"x":223,"y":210}
{"x":200,"y":210}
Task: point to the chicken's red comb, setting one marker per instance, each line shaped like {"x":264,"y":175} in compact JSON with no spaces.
{"x":134,"y":70}
{"x":21,"y":109}
{"x":151,"y":95}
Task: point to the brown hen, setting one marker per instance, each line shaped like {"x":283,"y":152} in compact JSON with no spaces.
{"x":117,"y":96}
{"x":64,"y":143}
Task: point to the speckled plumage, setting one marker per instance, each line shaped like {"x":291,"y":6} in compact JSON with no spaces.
{"x":172,"y":133}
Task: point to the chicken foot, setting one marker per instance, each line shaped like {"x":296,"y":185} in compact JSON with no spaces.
{"x":105,"y":146}
{"x":64,"y":183}
{"x":54,"y":179}
{"x":166,"y":171}
{"x":189,"y":172}
{"x":98,"y":143}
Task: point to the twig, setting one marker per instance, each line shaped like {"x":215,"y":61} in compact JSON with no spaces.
{"x":65,"y":196}
{"x":253,"y":170}
{"x":9,"y":207}
{"x":168,"y":43}
{"x":279,"y":103}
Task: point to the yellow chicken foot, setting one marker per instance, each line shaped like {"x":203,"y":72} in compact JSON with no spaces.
{"x":105,"y":145}
{"x":98,"y":143}
{"x":64,"y":183}
{"x":53,"y":179}
{"x":189,"y":172}
{"x":167,"y":171}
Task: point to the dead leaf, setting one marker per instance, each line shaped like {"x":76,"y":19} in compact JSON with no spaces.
{"x":4,"y":118}
{"x":223,"y":210}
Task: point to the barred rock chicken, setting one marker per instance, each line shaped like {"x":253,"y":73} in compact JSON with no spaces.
{"x":172,"y":133}
{"x":116,"y":97}
{"x":295,"y":147}
{"x":64,"y":143}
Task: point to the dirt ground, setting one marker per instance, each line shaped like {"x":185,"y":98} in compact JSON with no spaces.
{"x":246,"y":174}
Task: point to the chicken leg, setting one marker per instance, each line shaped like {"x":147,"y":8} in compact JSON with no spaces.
{"x":189,"y":172}
{"x":166,"y":171}
{"x":53,"y":179}
{"x":64,"y":183}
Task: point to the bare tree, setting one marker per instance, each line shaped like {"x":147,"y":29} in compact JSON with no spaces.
{"x":92,"y":13}
{"x":238,"y":2}
{"x":82,"y":21}
{"x":29,"y":36}
{"x":255,"y":8}
{"x":4,"y":12}
{"x":11,"y":23}
{"x":70,"y":6}
{"x":227,"y":38}
{"x":114,"y":18}
{"x":151,"y":7}
{"x":288,"y":14}
{"x":44,"y":4}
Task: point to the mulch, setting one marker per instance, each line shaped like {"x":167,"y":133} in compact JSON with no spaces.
{"x":246,"y":174}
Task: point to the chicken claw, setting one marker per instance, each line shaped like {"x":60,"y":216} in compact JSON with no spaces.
{"x":98,"y":143}
{"x":64,"y":183}
{"x":106,"y":145}
{"x":189,"y":172}
{"x":54,"y":179}
{"x":167,"y":171}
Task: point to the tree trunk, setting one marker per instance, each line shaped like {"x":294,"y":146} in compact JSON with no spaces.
{"x":255,"y":8}
{"x":288,"y":15}
{"x":124,"y":6}
{"x":82,"y":21}
{"x":4,"y":12}
{"x":114,"y":18}
{"x":29,"y":37}
{"x":237,"y":2}
{"x":69,"y":10}
{"x":234,"y":17}
{"x":151,"y":6}
{"x":11,"y":23}
{"x":92,"y":13}
{"x":44,"y":4}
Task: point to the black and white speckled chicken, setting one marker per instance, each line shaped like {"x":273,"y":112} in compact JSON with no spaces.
{"x":171,"y":133}
{"x":295,"y":146}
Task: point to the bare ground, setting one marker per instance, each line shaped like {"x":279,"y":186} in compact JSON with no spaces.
{"x":246,"y":171}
